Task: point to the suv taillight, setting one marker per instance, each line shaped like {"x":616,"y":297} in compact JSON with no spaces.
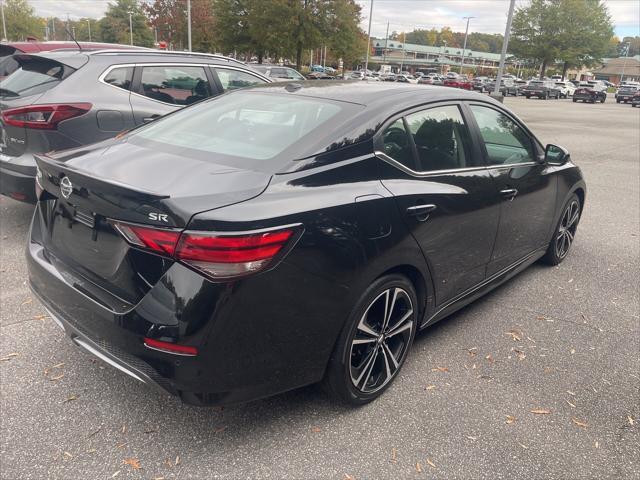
{"x":217,"y":255}
{"x":44,"y":117}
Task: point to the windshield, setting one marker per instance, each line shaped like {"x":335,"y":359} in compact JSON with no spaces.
{"x":33,"y":76}
{"x":256,"y":126}
{"x":535,"y":83}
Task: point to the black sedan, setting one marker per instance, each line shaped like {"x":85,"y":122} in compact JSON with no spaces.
{"x":295,"y":233}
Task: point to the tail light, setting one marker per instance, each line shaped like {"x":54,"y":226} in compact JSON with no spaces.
{"x":170,"y":347}
{"x":43,"y":117}
{"x":217,"y":255}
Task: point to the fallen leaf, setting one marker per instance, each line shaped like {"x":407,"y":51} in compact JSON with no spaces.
{"x":57,"y":377}
{"x":124,"y":428}
{"x":93,"y":433}
{"x":348,"y":477}
{"x":429,"y":387}
{"x":40,"y":317}
{"x":571,"y":393}
{"x":630,"y":419}
{"x":572,"y":351}
{"x":70,"y":399}
{"x":68,"y":455}
{"x":418,"y":467}
{"x":8,"y":357}
{"x":579,"y":423}
{"x":115,"y":474}
{"x":523,"y":446}
{"x":570,"y":404}
{"x":177,"y":462}
{"x":158,"y":478}
{"x":485,"y":377}
{"x":121,"y":445}
{"x":394,"y":455}
{"x":431,"y":464}
{"x":515,"y":335}
{"x":316,"y":429}
{"x":490,"y":358}
{"x":540,"y":411}
{"x":520,"y":354}
{"x":134,"y":463}
{"x":510,"y":419}
{"x":440,"y":369}
{"x":473,"y":351}
{"x":472,"y":438}
{"x":597,"y":445}
{"x":28,"y":300}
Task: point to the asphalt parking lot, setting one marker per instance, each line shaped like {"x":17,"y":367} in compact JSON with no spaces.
{"x":563,"y":342}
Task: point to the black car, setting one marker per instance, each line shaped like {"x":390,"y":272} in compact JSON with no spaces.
{"x":289,"y":234}
{"x":626,"y":92}
{"x":544,"y":89}
{"x":67,"y":99}
{"x":480,"y":84}
{"x":508,"y":86}
{"x":635,"y":100}
{"x":592,"y":91}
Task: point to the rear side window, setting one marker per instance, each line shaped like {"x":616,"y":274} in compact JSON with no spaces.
{"x":505,"y":141}
{"x":34,"y":75}
{"x":396,"y":144}
{"x":233,"y":79}
{"x":441,"y":138}
{"x":120,"y":77}
{"x":175,"y":85}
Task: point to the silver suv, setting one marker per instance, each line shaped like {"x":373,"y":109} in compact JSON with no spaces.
{"x":67,"y":99}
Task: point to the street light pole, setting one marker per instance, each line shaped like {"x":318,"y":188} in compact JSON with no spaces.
{"x":89,"y":27}
{"x":624,"y":65}
{"x":366,"y":61}
{"x":464,"y":47}
{"x":4,"y":24}
{"x":189,"y":23}
{"x":130,"y":28}
{"x":503,"y":54}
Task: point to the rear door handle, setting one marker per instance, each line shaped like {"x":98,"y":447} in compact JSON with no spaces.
{"x":509,"y":193}
{"x":421,"y":212}
{"x":150,"y":119}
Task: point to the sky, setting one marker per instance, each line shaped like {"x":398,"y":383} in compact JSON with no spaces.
{"x":491,"y":15}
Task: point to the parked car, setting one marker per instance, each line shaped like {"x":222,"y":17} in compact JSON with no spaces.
{"x":388,"y":77}
{"x":520,"y":84}
{"x":591,"y":91}
{"x":61,"y":100}
{"x":319,"y":76}
{"x":459,"y":81}
{"x":8,"y":64}
{"x":635,"y":100}
{"x":278,"y":73}
{"x":481,"y":84}
{"x":404,"y":78}
{"x":566,"y":88}
{"x":543,"y":89}
{"x":275,"y":237}
{"x":626,"y":92}
{"x":508,"y":87}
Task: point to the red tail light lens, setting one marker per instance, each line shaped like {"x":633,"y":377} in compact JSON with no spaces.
{"x":218,"y":256}
{"x":170,"y":347}
{"x":231,"y":256}
{"x":44,"y":117}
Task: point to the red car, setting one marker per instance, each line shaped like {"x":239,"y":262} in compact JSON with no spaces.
{"x":461,"y":81}
{"x":8,"y":65}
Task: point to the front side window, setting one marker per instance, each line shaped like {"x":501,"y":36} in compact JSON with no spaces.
{"x":176,"y":85}
{"x":506,"y":142}
{"x":234,"y":79}
{"x":120,"y":77}
{"x":441,"y":138}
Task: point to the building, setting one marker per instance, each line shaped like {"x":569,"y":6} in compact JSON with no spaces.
{"x":614,"y":69}
{"x":412,"y":57}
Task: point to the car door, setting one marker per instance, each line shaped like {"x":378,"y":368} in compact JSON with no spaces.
{"x":159,"y":89}
{"x":527,"y":184}
{"x":444,"y":193}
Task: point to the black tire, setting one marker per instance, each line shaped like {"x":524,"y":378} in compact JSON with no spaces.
{"x":604,"y":99}
{"x":528,"y":96}
{"x":563,"y":236}
{"x":349,"y":358}
{"x":617,"y":100}
{"x":575,"y":100}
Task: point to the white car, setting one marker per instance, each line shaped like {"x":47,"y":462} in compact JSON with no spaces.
{"x":566,"y":88}
{"x":406,"y":78}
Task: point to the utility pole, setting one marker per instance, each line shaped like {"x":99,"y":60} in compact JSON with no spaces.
{"x":626,"y":57}
{"x":130,"y":28}
{"x":4,"y":23}
{"x":189,"y":23}
{"x":366,"y":61}
{"x":464,"y":47}
{"x":386,"y":43}
{"x":503,"y":54}
{"x":89,"y":27}
{"x":404,"y":49}
{"x":53,"y":28}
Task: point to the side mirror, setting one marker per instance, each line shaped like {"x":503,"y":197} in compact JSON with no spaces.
{"x":556,"y":155}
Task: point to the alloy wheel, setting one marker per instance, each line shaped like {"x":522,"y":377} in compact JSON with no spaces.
{"x":567,"y":229}
{"x":381,"y":340}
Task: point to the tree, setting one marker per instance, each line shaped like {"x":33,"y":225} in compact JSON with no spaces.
{"x":169,"y":19}
{"x":115,"y":24}
{"x":575,"y":32}
{"x":21,"y":21}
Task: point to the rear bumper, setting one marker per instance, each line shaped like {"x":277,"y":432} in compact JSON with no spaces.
{"x":17,"y":178}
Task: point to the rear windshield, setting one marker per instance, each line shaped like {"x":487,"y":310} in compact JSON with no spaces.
{"x":253,"y":126}
{"x":534,"y":82}
{"x":8,"y":65}
{"x":33,"y":76}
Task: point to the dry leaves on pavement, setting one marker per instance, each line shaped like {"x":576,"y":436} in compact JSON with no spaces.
{"x":515,"y":335}
{"x":510,"y":419}
{"x":440,"y":369}
{"x":579,"y":422}
{"x":134,"y":463}
{"x":431,"y":464}
{"x":540,"y":411}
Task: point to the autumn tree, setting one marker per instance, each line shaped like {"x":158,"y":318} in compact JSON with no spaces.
{"x":21,"y":21}
{"x":115,"y":24}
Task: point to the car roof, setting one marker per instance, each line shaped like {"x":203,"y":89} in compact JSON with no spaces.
{"x":34,"y":47}
{"x":370,"y":93}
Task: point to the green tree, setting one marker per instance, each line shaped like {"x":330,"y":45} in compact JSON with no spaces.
{"x":115,"y":24}
{"x":21,"y":21}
